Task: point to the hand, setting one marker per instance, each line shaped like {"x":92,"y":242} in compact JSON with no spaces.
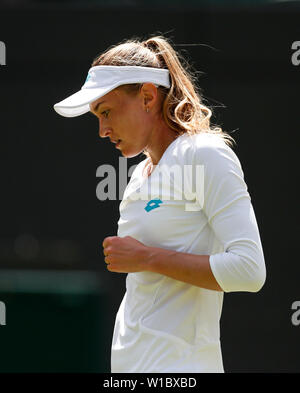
{"x":125,"y":254}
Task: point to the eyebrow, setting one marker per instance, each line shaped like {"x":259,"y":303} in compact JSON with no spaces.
{"x":97,"y":106}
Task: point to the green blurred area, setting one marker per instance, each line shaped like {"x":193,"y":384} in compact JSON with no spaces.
{"x":55,"y":322}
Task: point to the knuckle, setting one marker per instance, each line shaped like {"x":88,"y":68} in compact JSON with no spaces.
{"x":114,"y":240}
{"x":106,"y":250}
{"x":107,"y":241}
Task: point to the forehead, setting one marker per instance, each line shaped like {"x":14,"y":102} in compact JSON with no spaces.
{"x":115,"y":96}
{"x":104,"y":99}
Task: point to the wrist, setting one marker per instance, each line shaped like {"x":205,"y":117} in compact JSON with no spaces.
{"x":154,"y":256}
{"x":148,"y":258}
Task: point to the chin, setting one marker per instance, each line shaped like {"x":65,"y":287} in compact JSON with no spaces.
{"x":130,"y":154}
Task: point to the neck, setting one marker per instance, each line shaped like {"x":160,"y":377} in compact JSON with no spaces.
{"x":160,"y":140}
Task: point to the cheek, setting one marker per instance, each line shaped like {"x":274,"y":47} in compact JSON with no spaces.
{"x":142,"y":122}
{"x":134,"y":123}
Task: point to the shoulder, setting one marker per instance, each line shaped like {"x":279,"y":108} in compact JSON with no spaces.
{"x":201,"y":140}
{"x":202,"y":148}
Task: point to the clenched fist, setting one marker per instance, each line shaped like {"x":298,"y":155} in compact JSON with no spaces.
{"x":125,"y":254}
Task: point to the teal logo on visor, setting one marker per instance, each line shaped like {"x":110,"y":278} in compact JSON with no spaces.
{"x":87,"y":78}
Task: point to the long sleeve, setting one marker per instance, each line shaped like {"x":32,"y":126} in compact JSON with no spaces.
{"x":227,"y":205}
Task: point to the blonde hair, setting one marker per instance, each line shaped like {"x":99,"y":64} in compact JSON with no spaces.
{"x":182,"y":108}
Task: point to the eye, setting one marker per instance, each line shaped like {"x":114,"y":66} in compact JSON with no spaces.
{"x":105,"y":113}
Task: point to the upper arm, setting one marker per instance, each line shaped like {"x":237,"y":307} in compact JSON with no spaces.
{"x":227,"y":205}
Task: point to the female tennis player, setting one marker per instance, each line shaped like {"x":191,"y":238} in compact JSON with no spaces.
{"x":187,"y":231}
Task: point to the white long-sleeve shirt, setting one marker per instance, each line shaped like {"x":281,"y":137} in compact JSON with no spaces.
{"x":195,"y":201}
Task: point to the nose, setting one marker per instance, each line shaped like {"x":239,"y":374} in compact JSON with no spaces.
{"x":103,"y":131}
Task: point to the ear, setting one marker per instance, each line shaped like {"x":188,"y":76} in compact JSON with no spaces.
{"x":149,"y":95}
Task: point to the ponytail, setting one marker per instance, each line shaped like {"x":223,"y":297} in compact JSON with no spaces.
{"x":182,"y":107}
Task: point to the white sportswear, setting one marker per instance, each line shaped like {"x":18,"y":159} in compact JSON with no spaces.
{"x":165,"y":325}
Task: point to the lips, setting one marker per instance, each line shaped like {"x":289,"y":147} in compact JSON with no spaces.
{"x":118,"y":143}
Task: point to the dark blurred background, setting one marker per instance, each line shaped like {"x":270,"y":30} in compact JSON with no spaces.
{"x":58,"y":300}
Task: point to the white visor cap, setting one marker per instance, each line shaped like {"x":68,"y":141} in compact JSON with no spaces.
{"x":103,"y":79}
